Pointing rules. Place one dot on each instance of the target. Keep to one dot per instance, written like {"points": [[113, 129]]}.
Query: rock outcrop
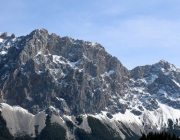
{"points": [[77, 82], [41, 70]]}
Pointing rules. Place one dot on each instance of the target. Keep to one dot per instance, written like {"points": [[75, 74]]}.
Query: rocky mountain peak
{"points": [[159, 68], [162, 64], [13, 36], [41, 70], [4, 35], [40, 31], [46, 73]]}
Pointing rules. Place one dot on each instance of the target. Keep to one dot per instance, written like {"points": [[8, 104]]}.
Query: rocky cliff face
{"points": [[41, 70], [70, 78], [160, 81]]}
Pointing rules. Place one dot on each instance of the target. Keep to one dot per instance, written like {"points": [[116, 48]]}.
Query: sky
{"points": [[137, 32]]}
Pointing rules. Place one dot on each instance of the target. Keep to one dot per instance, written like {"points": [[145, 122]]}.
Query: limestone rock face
{"points": [[13, 36], [161, 81], [4, 35], [73, 80], [41, 70]]}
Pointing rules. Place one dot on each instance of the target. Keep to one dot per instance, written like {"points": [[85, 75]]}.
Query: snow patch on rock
{"points": [[19, 121]]}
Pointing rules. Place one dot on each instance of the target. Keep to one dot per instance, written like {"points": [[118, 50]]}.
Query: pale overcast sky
{"points": [[137, 32]]}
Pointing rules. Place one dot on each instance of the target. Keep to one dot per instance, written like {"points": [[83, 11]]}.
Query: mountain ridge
{"points": [[68, 78], [67, 55]]}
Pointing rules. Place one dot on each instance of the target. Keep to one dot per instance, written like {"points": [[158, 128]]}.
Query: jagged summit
{"points": [[165, 64], [68, 77], [4, 35], [163, 61], [63, 72], [40, 31]]}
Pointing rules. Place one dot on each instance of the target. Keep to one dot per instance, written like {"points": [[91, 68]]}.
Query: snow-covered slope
{"points": [[20, 121]]}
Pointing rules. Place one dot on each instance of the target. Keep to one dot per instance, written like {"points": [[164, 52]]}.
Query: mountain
{"points": [[85, 91]]}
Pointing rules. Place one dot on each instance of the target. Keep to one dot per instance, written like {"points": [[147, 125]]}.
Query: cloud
{"points": [[130, 30], [146, 32]]}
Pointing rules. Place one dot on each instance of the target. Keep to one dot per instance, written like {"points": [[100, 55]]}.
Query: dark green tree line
{"points": [[159, 136]]}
